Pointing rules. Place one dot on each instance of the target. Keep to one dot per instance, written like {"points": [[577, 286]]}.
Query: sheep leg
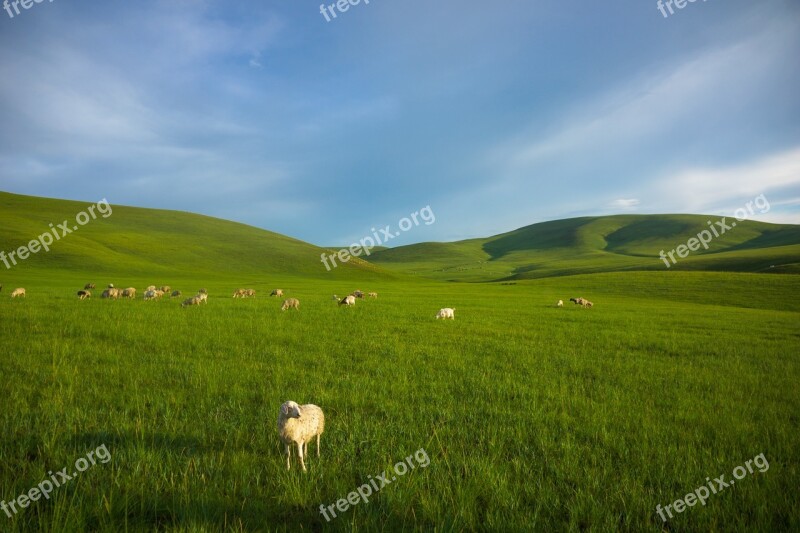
{"points": [[300, 453], [318, 435], [288, 457]]}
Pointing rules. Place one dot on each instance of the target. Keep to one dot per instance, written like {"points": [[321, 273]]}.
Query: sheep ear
{"points": [[285, 409]]}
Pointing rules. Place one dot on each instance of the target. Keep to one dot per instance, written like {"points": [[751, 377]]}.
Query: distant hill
{"points": [[600, 244], [159, 244]]}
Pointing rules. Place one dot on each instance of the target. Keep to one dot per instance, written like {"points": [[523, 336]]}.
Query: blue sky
{"points": [[497, 115]]}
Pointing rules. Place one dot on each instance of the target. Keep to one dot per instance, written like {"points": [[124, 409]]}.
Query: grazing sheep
{"points": [[111, 293], [373, 295], [348, 300], [203, 297], [18, 292], [165, 289], [130, 292], [88, 286], [277, 292], [84, 294], [250, 293], [175, 294], [238, 293], [150, 288], [587, 303], [299, 424], [358, 294], [577, 301], [194, 300], [560, 303], [202, 291], [447, 312], [290, 303], [151, 295]]}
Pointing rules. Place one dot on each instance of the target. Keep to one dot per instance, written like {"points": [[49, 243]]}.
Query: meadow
{"points": [[534, 417]]}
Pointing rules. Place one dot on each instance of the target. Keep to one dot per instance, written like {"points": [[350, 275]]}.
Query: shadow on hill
{"points": [[540, 237]]}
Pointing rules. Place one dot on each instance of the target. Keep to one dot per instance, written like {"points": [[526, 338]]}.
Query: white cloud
{"points": [[625, 203]]}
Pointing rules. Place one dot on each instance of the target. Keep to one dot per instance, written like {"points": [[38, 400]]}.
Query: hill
{"points": [[601, 244], [157, 244]]}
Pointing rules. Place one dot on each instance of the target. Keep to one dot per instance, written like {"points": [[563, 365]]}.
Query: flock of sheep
{"points": [[153, 293]]}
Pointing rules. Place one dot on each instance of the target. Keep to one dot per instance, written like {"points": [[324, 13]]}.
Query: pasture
{"points": [[534, 417]]}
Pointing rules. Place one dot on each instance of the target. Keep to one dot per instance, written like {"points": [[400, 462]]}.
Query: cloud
{"points": [[699, 190], [625, 203]]}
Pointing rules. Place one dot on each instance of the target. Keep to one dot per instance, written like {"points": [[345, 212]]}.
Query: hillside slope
{"points": [[600, 244], [153, 243]]}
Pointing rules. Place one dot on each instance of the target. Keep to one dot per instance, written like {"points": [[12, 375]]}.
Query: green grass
{"points": [[534, 417]]}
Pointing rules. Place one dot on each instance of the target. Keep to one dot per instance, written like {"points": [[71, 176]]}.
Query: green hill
{"points": [[601, 244], [158, 244]]}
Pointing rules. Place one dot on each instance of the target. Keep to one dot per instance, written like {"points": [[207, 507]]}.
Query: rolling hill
{"points": [[600, 244], [157, 244]]}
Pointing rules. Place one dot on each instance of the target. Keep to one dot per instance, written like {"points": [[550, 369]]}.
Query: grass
{"points": [[533, 417]]}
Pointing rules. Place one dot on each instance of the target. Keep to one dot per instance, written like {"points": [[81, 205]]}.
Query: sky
{"points": [[496, 115]]}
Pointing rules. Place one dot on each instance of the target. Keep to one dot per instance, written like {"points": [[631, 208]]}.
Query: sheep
{"points": [[194, 300], [111, 293], [203, 297], [348, 300], [299, 424], [250, 293], [577, 301], [88, 286], [446, 312], [175, 294], [290, 303], [150, 295], [277, 292], [358, 294], [165, 289], [130, 292], [373, 295], [84, 294], [587, 303], [18, 292], [238, 293], [202, 291], [150, 288], [560, 303]]}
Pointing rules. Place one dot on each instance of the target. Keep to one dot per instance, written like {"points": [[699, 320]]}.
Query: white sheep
{"points": [[194, 300], [560, 303], [150, 288], [130, 292], [290, 303], [447, 312], [373, 295], [203, 297], [84, 294], [298, 424], [18, 292], [348, 300], [277, 292]]}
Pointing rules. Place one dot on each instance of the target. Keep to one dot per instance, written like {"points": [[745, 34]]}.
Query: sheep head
{"points": [[290, 410]]}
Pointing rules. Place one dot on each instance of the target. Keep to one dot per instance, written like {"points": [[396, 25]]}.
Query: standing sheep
{"points": [[88, 286], [298, 425], [84, 294], [373, 295], [18, 292], [358, 293], [175, 294], [290, 303], [130, 292], [446, 312], [150, 288], [560, 303], [277, 292], [194, 300]]}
